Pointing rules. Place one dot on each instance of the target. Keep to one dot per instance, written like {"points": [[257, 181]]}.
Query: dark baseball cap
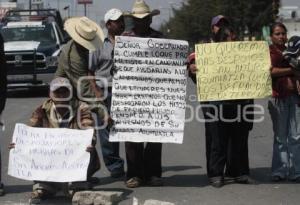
{"points": [[215, 20], [293, 45]]}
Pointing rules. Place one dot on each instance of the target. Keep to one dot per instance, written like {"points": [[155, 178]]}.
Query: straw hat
{"points": [[141, 10], [85, 32]]}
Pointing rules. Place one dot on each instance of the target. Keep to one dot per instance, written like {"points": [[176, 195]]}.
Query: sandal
{"points": [[38, 195], [133, 182]]}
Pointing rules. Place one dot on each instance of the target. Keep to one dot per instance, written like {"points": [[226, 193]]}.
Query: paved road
{"points": [[184, 166]]}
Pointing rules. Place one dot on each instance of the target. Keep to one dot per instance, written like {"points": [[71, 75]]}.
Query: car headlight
{"points": [[51, 61]]}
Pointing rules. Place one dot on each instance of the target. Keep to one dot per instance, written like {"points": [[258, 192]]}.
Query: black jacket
{"points": [[3, 74]]}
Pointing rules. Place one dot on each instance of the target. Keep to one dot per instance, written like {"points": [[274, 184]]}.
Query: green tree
{"points": [[192, 21]]}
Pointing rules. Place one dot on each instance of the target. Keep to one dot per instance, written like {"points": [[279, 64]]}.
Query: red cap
{"points": [[191, 57]]}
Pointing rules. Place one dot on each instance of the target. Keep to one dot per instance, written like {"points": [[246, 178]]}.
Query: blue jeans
{"points": [[285, 114], [110, 150]]}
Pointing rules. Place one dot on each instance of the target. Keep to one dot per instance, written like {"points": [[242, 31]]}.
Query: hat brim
{"points": [[155, 12], [92, 45]]}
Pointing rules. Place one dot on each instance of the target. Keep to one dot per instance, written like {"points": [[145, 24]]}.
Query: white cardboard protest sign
{"points": [[49, 154], [149, 90]]}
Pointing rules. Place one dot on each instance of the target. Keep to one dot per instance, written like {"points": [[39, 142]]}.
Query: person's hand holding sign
{"points": [[11, 145]]}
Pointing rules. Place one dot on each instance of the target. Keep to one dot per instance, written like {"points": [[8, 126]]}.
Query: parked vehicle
{"points": [[32, 45]]}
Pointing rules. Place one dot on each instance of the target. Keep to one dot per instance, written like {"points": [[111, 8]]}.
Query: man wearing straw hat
{"points": [[143, 163], [101, 65], [73, 63], [87, 37]]}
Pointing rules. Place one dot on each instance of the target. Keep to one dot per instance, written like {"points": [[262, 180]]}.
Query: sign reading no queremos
{"points": [[233, 70], [49, 154], [149, 90]]}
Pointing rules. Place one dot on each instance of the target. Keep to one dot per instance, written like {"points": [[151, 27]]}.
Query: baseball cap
{"points": [[215, 20], [112, 14], [59, 82], [293, 45]]}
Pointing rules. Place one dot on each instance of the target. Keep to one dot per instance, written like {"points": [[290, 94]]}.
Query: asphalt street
{"points": [[184, 166]]}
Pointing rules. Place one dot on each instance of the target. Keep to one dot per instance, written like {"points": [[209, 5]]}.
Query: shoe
{"points": [[117, 174], [245, 179], [2, 192], [296, 180], [133, 182], [38, 195], [228, 179], [216, 182], [277, 178], [155, 181]]}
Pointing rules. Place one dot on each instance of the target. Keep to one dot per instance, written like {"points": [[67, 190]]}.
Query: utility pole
{"points": [[275, 9], [58, 5], [85, 2], [68, 10]]}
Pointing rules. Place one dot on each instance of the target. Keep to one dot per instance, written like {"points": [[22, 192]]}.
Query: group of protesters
{"points": [[89, 56], [227, 142]]}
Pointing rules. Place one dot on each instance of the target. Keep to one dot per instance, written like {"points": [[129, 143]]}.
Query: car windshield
{"points": [[44, 34]]}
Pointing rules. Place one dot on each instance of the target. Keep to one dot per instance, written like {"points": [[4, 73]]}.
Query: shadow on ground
{"points": [[184, 180], [15, 189], [258, 175], [28, 93], [179, 168], [263, 176]]}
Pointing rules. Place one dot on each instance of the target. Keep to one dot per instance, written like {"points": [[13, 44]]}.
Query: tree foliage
{"points": [[192, 21]]}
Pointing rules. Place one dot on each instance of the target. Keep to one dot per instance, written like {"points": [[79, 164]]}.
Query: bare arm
{"points": [[98, 92], [279, 72]]}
